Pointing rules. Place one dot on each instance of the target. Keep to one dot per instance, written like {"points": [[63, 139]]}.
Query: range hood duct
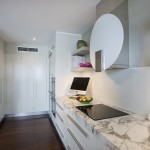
{"points": [[27, 49]]}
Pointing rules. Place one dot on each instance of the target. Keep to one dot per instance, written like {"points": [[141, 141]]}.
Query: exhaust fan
{"points": [[27, 49]]}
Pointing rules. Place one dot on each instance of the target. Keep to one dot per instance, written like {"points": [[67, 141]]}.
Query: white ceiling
{"points": [[21, 20]]}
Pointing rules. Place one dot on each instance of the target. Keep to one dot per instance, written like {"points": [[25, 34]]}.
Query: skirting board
{"points": [[26, 114]]}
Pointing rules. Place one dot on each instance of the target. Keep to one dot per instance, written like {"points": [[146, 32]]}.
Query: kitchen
{"points": [[127, 89]]}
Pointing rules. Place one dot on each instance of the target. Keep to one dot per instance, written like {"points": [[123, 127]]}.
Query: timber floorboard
{"points": [[29, 133]]}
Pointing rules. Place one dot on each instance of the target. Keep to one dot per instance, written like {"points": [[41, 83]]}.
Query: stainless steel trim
{"points": [[59, 130], [59, 117], [26, 114], [76, 124], [76, 141], [99, 61], [59, 106]]}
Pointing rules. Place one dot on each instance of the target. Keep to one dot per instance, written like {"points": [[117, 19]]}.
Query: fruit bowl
{"points": [[85, 102], [84, 99]]}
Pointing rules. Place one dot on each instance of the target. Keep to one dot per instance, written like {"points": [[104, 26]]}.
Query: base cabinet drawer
{"points": [[63, 135], [59, 130], [73, 142], [85, 138], [73, 133]]}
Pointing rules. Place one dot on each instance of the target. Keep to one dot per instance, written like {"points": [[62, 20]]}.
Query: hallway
{"points": [[29, 133]]}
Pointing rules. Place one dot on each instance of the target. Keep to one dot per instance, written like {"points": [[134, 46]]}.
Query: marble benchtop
{"points": [[130, 132]]}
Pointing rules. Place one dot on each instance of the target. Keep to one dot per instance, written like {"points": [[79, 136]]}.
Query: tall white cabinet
{"points": [[61, 46], [26, 82], [40, 83], [13, 83]]}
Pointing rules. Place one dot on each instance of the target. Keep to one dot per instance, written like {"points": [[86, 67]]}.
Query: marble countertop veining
{"points": [[131, 132]]}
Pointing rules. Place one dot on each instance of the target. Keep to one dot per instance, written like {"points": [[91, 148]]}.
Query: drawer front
{"points": [[78, 127], [60, 122], [78, 131], [59, 131], [74, 143], [62, 131], [59, 106], [60, 113]]}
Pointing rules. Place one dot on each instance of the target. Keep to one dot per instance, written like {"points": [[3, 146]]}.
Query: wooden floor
{"points": [[29, 133]]}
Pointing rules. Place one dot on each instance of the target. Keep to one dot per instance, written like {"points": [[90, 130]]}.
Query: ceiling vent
{"points": [[27, 49]]}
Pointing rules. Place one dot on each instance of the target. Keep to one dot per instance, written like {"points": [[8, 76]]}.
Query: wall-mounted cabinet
{"points": [[80, 60]]}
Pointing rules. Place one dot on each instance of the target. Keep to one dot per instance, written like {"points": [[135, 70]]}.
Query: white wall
{"points": [[2, 80], [12, 48], [29, 90], [125, 88], [129, 88]]}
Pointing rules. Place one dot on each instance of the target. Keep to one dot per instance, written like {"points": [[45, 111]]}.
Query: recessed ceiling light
{"points": [[34, 39]]}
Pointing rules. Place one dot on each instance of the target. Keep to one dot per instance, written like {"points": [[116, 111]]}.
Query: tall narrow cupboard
{"points": [[26, 83]]}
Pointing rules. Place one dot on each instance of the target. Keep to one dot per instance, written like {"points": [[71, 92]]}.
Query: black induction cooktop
{"points": [[100, 111]]}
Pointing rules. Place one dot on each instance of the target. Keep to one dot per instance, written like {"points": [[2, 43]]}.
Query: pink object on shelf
{"points": [[87, 64]]}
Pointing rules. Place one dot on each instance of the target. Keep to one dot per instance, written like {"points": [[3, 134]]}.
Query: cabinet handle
{"points": [[59, 106], [76, 124], [36, 87], [18, 88], [59, 117], [27, 87], [59, 130], [76, 141], [68, 148]]}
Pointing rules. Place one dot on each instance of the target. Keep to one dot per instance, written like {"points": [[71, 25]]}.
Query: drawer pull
{"points": [[59, 117], [59, 106], [76, 124], [76, 141], [59, 130]]}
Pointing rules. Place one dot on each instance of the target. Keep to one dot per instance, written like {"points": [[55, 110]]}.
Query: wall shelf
{"points": [[81, 55], [81, 69], [81, 51]]}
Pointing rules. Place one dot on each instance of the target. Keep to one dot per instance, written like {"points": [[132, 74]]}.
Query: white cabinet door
{"points": [[40, 85], [26, 88], [26, 83], [14, 104]]}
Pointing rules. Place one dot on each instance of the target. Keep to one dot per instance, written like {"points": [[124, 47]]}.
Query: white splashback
{"points": [[125, 88]]}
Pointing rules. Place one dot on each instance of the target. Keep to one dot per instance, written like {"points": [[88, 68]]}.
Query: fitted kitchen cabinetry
{"points": [[60, 123], [26, 83], [80, 137], [72, 131], [13, 83], [40, 79]]}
